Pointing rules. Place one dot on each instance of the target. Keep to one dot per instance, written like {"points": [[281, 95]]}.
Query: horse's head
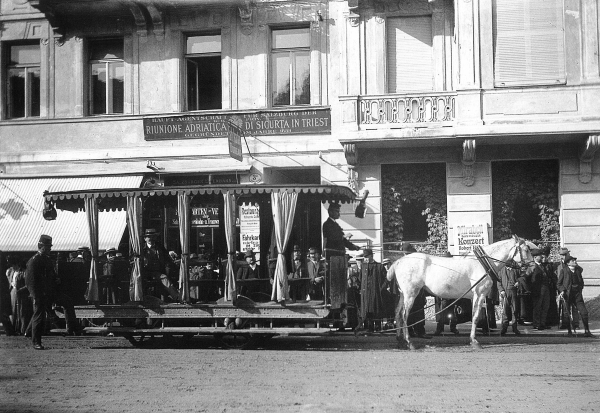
{"points": [[520, 252]]}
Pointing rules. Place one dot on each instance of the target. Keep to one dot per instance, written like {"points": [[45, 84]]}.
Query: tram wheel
{"points": [[235, 341]]}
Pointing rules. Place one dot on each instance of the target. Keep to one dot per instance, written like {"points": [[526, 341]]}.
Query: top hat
{"points": [[386, 261], [45, 240], [367, 252], [536, 252], [297, 248], [333, 205], [563, 251], [570, 258], [249, 253], [110, 251], [313, 250], [150, 232]]}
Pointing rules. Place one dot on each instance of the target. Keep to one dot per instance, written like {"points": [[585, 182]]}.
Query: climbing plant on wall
{"points": [[402, 184], [536, 181]]}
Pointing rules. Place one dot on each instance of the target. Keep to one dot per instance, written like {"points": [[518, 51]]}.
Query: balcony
{"points": [[399, 110]]}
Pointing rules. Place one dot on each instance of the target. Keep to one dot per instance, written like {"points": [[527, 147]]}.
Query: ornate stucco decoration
{"points": [[587, 156], [352, 178], [409, 7], [468, 159], [246, 13], [351, 153]]}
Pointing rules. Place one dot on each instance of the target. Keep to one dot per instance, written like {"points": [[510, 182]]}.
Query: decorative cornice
{"points": [[587, 156], [158, 25], [468, 160]]}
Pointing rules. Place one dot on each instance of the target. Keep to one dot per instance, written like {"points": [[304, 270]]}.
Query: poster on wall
{"points": [[468, 235], [250, 227]]}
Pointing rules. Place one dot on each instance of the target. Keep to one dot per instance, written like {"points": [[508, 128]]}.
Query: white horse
{"points": [[451, 277]]}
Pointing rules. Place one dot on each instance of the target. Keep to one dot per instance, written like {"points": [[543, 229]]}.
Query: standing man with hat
{"points": [[570, 285], [373, 282], [316, 273], [563, 311], [541, 282], [41, 280], [157, 262], [334, 240]]}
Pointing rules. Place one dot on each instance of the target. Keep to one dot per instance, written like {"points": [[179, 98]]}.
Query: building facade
{"points": [[459, 117]]}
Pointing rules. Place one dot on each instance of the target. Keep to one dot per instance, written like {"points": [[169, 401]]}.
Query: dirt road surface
{"points": [[543, 373]]}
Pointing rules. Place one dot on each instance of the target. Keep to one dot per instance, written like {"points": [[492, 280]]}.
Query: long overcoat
{"points": [[373, 282]]}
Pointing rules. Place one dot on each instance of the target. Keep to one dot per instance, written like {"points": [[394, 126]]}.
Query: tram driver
{"points": [[157, 263]]}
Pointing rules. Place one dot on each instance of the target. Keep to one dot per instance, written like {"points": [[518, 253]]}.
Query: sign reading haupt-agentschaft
{"points": [[289, 122]]}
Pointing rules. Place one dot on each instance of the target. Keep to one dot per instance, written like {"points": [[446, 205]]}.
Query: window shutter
{"points": [[410, 54], [528, 42]]}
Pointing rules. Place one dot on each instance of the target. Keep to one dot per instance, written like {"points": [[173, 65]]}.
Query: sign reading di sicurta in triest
{"points": [[253, 124]]}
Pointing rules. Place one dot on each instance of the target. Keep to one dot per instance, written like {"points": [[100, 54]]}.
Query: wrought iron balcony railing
{"points": [[408, 109]]}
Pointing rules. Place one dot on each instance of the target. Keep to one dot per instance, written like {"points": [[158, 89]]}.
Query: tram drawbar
{"points": [[121, 301]]}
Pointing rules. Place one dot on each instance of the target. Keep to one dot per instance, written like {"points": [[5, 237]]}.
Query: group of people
{"points": [[543, 283], [33, 293]]}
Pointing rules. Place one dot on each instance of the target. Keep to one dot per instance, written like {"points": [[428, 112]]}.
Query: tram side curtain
{"points": [[229, 217], [183, 211], [134, 218], [284, 209], [91, 212]]}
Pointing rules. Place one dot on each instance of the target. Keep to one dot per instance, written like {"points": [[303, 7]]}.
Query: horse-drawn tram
{"points": [[193, 280]]}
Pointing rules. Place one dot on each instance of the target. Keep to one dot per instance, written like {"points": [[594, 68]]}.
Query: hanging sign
{"points": [[468, 235], [249, 227], [235, 141], [273, 122]]}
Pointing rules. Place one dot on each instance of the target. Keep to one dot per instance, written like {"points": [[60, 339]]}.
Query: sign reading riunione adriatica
{"points": [[194, 126]]}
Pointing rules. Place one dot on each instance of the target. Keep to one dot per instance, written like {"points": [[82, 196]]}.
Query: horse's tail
{"points": [[391, 272]]}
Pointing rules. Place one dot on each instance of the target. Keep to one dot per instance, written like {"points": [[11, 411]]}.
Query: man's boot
{"points": [[586, 325], [439, 329], [515, 329], [503, 331]]}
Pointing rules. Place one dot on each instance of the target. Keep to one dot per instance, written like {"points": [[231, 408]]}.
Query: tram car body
{"points": [[119, 300]]}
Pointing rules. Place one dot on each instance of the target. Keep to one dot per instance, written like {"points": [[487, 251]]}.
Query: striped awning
{"points": [[116, 198], [22, 223]]}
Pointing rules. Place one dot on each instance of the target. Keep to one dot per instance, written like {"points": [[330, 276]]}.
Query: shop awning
{"points": [[116, 198], [22, 223]]}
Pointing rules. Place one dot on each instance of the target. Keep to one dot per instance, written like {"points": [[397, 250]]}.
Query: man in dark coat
{"points": [[334, 240], [570, 285], [157, 265], [249, 272], [541, 282], [316, 273], [5, 306], [41, 280], [373, 282]]}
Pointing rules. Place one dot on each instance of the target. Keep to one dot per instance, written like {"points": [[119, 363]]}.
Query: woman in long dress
{"points": [[23, 310]]}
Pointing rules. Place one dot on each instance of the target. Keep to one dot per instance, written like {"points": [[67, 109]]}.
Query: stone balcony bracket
{"points": [[586, 157], [468, 160]]}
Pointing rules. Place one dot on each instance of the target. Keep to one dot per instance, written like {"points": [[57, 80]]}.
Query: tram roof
{"points": [[116, 198]]}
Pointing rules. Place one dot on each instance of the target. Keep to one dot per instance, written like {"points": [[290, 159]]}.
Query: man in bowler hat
{"points": [[158, 264], [41, 280]]}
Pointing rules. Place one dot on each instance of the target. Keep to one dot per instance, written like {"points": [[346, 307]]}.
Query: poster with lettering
{"points": [[468, 235], [249, 227], [205, 216]]}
